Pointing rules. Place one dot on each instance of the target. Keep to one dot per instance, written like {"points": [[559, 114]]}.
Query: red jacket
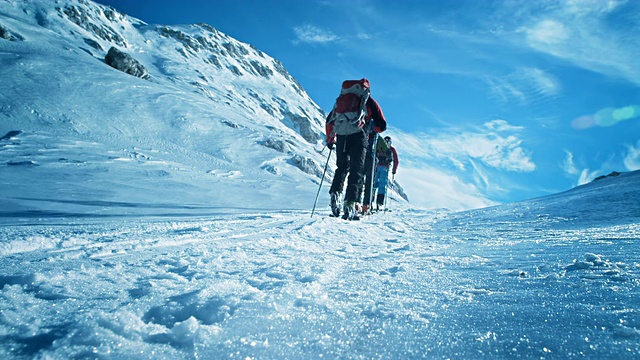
{"points": [[374, 111], [384, 160]]}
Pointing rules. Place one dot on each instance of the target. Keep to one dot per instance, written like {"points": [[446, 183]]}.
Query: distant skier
{"points": [[386, 154], [349, 126]]}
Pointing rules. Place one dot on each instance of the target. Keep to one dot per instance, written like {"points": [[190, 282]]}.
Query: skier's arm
{"points": [[331, 135], [396, 161], [379, 121]]}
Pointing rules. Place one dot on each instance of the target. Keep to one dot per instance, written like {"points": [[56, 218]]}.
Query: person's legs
{"points": [[342, 163], [357, 149], [368, 170], [376, 179], [383, 180]]}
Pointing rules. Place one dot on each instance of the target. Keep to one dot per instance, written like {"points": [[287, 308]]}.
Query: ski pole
{"points": [[393, 182], [321, 181]]}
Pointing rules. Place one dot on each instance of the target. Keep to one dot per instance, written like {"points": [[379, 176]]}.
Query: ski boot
{"points": [[336, 198], [350, 211], [380, 202]]}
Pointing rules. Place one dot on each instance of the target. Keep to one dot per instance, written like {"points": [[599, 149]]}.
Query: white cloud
{"points": [[312, 34], [526, 85], [580, 31], [613, 162], [542, 81], [502, 125], [504, 90], [491, 146], [632, 157], [569, 165], [480, 176], [547, 32], [585, 177], [433, 188], [592, 7], [457, 169]]}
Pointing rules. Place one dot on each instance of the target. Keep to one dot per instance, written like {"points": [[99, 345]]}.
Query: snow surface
{"points": [[151, 219], [525, 280]]}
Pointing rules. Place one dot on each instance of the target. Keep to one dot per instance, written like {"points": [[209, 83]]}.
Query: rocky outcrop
{"points": [[125, 63], [11, 134], [302, 124], [85, 17], [277, 145], [398, 189], [307, 165], [612, 174], [8, 35]]}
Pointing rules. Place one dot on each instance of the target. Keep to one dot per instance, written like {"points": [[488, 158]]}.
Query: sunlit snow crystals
{"points": [[490, 335]]}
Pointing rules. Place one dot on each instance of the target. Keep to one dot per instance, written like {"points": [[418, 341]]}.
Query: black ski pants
{"points": [[351, 151]]}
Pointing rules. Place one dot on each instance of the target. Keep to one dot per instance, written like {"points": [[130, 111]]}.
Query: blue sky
{"points": [[492, 101]]}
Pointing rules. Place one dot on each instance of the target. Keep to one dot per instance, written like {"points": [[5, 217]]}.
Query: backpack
{"points": [[350, 110], [383, 152]]}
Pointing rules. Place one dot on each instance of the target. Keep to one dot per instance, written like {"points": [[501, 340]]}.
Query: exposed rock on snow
{"points": [[278, 145], [85, 17], [125, 63], [612, 174], [11, 134], [307, 165], [8, 35]]}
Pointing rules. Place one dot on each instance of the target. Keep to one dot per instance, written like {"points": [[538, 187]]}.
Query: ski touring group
{"points": [[363, 157]]}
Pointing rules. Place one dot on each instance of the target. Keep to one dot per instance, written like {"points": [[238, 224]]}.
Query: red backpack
{"points": [[350, 110]]}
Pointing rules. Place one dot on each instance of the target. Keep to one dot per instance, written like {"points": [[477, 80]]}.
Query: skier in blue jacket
{"points": [[386, 155]]}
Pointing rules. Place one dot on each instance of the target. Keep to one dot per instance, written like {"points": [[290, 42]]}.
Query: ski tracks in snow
{"points": [[186, 282], [262, 284]]}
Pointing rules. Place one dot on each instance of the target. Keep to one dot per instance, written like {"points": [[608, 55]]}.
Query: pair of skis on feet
{"points": [[359, 215], [346, 216]]}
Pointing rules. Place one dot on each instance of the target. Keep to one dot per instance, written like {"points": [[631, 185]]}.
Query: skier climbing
{"points": [[349, 126], [385, 155]]}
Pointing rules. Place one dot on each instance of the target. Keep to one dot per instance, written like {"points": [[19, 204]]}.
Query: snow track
{"points": [[420, 283]]}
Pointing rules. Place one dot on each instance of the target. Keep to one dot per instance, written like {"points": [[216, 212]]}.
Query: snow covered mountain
{"points": [[159, 217], [209, 123]]}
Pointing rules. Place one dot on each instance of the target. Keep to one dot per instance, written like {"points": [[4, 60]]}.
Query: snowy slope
{"points": [[613, 200], [525, 280], [215, 118]]}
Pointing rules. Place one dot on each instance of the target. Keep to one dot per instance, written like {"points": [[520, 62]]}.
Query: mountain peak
{"points": [[209, 113]]}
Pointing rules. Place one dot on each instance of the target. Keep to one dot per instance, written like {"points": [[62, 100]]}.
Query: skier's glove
{"points": [[330, 146]]}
